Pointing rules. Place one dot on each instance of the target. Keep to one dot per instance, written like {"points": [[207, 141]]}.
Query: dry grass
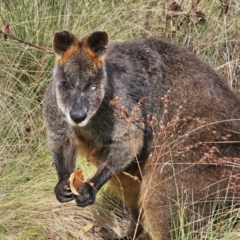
{"points": [[28, 208]]}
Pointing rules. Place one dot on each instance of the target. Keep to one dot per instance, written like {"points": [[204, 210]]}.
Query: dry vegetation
{"points": [[28, 207]]}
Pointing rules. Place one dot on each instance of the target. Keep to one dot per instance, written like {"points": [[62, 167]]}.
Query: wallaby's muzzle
{"points": [[78, 115]]}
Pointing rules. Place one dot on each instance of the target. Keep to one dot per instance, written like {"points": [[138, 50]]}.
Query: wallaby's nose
{"points": [[78, 115]]}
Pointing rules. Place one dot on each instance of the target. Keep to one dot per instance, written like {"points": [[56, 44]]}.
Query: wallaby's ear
{"points": [[95, 44], [63, 40]]}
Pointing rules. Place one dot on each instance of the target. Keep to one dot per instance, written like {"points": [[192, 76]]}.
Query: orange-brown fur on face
{"points": [[95, 46], [98, 61], [67, 54], [96, 54]]}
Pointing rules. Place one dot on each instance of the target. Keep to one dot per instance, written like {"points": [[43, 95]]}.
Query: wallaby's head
{"points": [[79, 75]]}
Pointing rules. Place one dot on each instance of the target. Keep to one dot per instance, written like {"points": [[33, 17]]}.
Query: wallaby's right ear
{"points": [[95, 44], [63, 40]]}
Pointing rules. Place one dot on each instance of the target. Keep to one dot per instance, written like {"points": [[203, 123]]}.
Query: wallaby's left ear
{"points": [[63, 40], [95, 44]]}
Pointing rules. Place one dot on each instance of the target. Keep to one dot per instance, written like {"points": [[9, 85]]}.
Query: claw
{"points": [[68, 194], [67, 188]]}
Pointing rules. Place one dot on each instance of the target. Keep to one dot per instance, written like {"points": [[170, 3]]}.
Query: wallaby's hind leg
{"points": [[156, 216], [135, 228], [183, 198]]}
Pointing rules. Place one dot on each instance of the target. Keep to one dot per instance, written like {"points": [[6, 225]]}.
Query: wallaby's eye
{"points": [[65, 84], [93, 87]]}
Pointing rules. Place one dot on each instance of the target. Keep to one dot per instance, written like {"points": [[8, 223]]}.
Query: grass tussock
{"points": [[28, 208]]}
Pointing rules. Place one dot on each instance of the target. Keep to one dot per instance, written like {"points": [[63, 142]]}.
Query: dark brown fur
{"points": [[168, 104]]}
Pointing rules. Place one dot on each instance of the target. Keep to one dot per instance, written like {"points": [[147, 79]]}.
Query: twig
{"points": [[27, 43]]}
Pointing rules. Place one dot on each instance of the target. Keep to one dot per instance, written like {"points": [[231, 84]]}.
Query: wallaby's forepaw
{"points": [[86, 195], [63, 192]]}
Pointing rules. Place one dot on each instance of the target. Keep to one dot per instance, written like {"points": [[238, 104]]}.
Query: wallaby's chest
{"points": [[89, 147]]}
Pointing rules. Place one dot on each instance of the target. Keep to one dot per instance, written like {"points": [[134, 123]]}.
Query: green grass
{"points": [[28, 207]]}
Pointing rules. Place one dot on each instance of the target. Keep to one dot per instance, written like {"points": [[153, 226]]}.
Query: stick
{"points": [[27, 43]]}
